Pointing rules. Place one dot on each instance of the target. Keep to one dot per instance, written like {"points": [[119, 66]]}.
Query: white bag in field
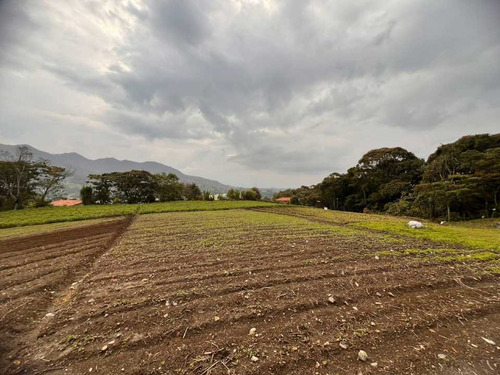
{"points": [[415, 224]]}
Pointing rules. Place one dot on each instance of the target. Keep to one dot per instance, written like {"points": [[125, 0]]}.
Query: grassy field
{"points": [[477, 234], [266, 290], [199, 206], [45, 228], [46, 215]]}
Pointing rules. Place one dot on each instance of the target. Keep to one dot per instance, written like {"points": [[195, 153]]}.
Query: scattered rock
{"points": [[362, 356], [254, 358], [441, 356], [216, 318], [331, 300], [104, 348], [92, 300], [252, 331], [491, 342], [377, 257], [343, 345], [136, 337], [374, 364], [49, 315]]}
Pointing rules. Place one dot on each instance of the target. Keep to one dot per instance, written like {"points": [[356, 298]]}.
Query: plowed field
{"points": [[274, 291], [36, 270]]}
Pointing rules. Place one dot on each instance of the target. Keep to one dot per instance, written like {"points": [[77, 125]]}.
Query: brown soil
{"points": [[35, 270], [163, 300]]}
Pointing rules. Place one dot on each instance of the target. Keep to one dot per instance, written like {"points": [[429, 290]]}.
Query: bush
{"points": [[250, 195], [86, 194], [399, 208]]}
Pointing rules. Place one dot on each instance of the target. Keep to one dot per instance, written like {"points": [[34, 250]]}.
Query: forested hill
{"points": [[83, 167]]}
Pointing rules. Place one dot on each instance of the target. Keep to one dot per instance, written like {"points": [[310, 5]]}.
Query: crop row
{"points": [[46, 215]]}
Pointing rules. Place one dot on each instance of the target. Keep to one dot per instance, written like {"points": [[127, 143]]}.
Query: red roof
{"points": [[66, 202], [284, 199]]}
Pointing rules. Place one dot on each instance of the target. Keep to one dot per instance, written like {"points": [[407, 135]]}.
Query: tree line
{"points": [[25, 181], [459, 181], [252, 194], [145, 187], [138, 187]]}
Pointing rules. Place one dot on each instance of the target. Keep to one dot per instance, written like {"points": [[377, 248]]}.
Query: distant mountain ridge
{"points": [[83, 167]]}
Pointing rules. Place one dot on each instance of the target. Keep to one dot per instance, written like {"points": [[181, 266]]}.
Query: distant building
{"points": [[285, 200], [66, 202]]}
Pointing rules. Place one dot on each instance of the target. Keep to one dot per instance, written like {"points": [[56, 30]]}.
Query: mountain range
{"points": [[82, 167]]}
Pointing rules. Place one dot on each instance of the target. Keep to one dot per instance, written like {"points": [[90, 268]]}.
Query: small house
{"points": [[66, 202], [285, 200]]}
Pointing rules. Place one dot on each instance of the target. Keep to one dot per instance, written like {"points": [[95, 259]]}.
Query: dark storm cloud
{"points": [[15, 26], [180, 21], [285, 85]]}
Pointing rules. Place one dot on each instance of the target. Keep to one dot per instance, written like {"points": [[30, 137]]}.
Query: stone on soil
{"points": [[362, 356]]}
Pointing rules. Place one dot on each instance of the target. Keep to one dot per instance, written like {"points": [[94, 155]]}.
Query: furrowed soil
{"points": [[268, 291], [35, 270]]}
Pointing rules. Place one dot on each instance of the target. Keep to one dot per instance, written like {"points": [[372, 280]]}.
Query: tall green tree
{"points": [[384, 175], [18, 177], [102, 186], [50, 180], [169, 187], [233, 194], [135, 186], [86, 195], [192, 192], [258, 195]]}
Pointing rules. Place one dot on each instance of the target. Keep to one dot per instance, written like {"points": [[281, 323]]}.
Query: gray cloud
{"points": [[270, 88]]}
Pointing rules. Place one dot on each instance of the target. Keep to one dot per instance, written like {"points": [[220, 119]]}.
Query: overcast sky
{"points": [[248, 92]]}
